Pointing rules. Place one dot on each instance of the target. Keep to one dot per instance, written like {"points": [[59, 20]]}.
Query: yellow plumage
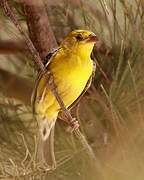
{"points": [[71, 68]]}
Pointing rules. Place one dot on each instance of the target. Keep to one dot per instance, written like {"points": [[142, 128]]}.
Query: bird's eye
{"points": [[79, 37]]}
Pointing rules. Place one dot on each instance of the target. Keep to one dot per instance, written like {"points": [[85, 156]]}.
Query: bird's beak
{"points": [[92, 38]]}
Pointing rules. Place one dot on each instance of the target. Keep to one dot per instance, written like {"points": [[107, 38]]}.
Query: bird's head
{"points": [[80, 40]]}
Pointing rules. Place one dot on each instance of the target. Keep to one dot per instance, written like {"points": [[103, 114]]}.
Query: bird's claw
{"points": [[74, 125]]}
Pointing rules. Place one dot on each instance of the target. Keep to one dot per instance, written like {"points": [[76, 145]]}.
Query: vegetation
{"points": [[110, 114]]}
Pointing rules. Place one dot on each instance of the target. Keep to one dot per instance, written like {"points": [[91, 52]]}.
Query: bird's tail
{"points": [[45, 148]]}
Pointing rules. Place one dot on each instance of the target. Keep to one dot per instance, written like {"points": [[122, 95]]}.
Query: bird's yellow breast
{"points": [[71, 73]]}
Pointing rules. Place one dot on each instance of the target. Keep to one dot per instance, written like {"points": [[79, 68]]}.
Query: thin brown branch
{"points": [[12, 47], [15, 87], [9, 12]]}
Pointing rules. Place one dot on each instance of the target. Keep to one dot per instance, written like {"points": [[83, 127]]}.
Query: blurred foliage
{"points": [[111, 113]]}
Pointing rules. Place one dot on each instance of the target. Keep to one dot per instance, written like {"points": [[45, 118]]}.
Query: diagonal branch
{"points": [[8, 11]]}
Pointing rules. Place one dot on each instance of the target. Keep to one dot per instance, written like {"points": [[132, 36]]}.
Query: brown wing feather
{"points": [[49, 58], [34, 93], [82, 94], [47, 61]]}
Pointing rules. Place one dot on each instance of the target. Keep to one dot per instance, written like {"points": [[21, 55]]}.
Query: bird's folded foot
{"points": [[45, 167], [74, 125]]}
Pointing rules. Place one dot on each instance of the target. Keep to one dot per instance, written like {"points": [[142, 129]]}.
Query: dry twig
{"points": [[12, 47]]}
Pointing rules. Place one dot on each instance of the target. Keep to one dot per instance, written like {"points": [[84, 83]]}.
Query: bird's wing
{"points": [[46, 62], [50, 56], [86, 87]]}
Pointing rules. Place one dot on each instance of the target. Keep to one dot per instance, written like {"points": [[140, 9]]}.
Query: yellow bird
{"points": [[71, 67]]}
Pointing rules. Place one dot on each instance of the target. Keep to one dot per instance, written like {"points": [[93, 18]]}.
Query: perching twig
{"points": [[9, 12]]}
